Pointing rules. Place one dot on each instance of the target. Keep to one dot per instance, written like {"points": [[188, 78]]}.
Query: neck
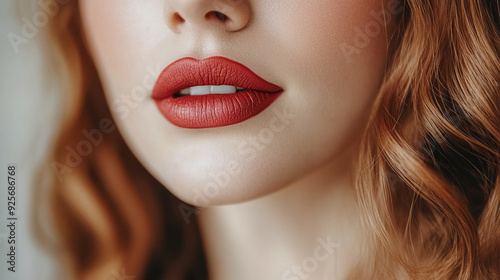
{"points": [[308, 230]]}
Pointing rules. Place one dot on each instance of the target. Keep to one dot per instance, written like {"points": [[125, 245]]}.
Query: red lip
{"points": [[211, 110]]}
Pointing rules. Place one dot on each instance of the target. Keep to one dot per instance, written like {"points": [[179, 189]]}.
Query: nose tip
{"points": [[231, 15]]}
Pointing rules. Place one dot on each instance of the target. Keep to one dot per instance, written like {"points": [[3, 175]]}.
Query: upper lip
{"points": [[189, 72]]}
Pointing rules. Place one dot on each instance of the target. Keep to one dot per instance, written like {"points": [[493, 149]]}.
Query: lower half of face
{"points": [[328, 56]]}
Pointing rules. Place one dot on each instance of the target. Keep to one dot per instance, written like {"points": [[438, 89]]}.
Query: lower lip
{"points": [[215, 110]]}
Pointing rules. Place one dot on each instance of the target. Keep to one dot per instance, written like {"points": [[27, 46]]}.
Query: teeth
{"points": [[185, 91], [203, 90]]}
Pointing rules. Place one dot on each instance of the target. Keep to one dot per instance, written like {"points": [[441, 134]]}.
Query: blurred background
{"points": [[28, 108]]}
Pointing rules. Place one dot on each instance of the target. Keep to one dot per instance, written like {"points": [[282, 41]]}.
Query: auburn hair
{"points": [[427, 177]]}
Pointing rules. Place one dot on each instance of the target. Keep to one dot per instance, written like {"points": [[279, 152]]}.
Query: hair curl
{"points": [[428, 172]]}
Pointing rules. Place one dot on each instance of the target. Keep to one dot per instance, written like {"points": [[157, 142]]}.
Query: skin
{"points": [[287, 189]]}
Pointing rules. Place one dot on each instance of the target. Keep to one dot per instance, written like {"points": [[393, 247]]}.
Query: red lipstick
{"points": [[251, 93]]}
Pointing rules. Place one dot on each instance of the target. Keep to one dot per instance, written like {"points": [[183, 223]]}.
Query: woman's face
{"points": [[327, 56]]}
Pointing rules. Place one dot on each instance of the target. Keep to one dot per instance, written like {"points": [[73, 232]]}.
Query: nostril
{"points": [[176, 18], [218, 15]]}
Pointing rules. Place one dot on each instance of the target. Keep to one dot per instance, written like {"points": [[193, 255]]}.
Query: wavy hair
{"points": [[427, 177], [428, 180]]}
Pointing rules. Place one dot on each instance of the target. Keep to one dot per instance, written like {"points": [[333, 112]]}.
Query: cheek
{"points": [[335, 53], [336, 43], [326, 26], [120, 33]]}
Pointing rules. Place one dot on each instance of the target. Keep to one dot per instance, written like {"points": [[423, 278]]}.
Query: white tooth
{"points": [[200, 90], [223, 89], [203, 90], [186, 91]]}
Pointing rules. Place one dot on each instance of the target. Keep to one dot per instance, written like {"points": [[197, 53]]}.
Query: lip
{"points": [[211, 110]]}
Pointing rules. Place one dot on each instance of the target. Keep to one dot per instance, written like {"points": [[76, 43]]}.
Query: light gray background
{"points": [[26, 115]]}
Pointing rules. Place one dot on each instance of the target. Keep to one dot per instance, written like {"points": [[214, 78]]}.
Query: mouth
{"points": [[213, 92]]}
